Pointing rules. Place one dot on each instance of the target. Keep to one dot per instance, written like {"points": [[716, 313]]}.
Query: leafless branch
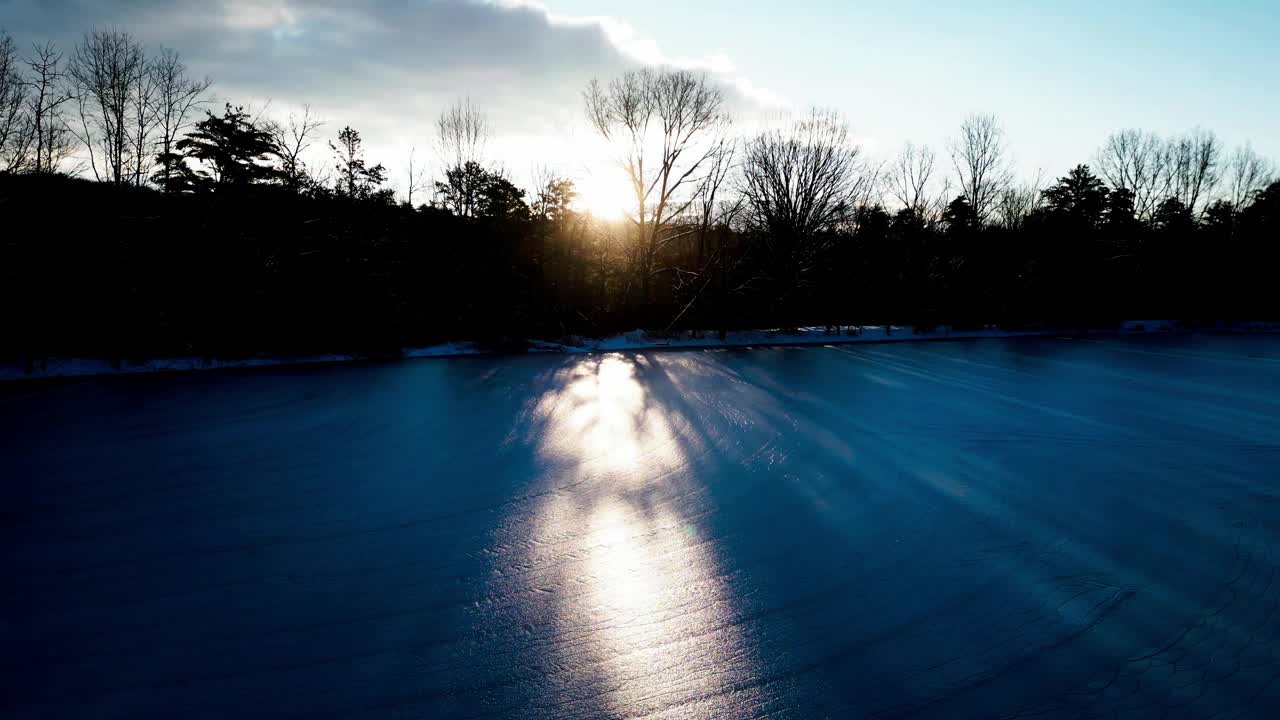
{"points": [[909, 174], [980, 158], [667, 125]]}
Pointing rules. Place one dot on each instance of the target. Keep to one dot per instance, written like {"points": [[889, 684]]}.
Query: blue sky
{"points": [[1061, 76]]}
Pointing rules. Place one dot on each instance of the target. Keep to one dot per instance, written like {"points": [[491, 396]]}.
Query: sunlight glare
{"points": [[605, 198], [639, 586], [607, 427]]}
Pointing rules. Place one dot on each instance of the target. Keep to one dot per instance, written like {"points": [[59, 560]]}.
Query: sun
{"points": [[605, 195]]}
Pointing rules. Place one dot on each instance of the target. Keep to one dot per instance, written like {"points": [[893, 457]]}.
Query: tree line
{"points": [[144, 220]]}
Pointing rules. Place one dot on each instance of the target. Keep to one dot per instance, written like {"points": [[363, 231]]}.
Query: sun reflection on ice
{"points": [[601, 423], [645, 612]]}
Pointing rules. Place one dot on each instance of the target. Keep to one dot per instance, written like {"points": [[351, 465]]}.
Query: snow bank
{"points": [[1244, 327], [1146, 326], [633, 340], [845, 334], [80, 367]]}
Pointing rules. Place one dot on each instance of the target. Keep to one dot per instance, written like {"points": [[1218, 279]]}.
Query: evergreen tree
{"points": [[1172, 216], [501, 199], [553, 201], [356, 179], [462, 187], [960, 216], [232, 148], [1120, 214], [1079, 198]]}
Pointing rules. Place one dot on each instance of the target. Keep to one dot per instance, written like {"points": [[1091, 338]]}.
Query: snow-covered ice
{"points": [[1033, 527]]}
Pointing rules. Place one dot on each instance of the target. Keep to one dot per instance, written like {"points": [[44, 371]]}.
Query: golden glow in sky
{"points": [[605, 198]]}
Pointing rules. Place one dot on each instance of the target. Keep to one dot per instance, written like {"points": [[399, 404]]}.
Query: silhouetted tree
{"points": [[176, 96], [1016, 204], [416, 177], [108, 71], [47, 93], [713, 213], [15, 125], [1119, 218], [1079, 198], [293, 138], [356, 179], [1219, 220], [961, 216], [909, 176], [778, 229], [800, 185], [233, 149], [462, 131], [980, 157], [495, 195], [554, 199], [1248, 173], [1173, 216], [667, 125], [1194, 168], [501, 200], [1265, 207], [462, 189], [1136, 161]]}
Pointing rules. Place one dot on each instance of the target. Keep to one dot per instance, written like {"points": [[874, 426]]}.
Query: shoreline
{"points": [[55, 368]]}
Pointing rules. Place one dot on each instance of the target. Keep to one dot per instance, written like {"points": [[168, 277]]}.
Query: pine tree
{"points": [[356, 179], [1080, 197], [233, 149]]}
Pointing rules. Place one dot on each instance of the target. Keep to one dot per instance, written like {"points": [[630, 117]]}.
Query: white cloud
{"points": [[387, 67]]}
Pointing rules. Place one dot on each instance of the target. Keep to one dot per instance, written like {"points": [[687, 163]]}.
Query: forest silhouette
{"points": [[140, 219]]}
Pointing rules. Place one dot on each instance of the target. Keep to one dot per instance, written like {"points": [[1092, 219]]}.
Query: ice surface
{"points": [[1014, 528]]}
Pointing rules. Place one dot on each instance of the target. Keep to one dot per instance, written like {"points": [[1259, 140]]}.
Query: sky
{"points": [[1060, 76]]}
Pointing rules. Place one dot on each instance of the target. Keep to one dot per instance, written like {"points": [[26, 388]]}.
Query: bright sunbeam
{"points": [[637, 584], [625, 585], [603, 425], [607, 198]]}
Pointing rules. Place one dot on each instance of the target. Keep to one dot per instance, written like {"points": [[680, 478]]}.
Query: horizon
{"points": [[418, 59]]}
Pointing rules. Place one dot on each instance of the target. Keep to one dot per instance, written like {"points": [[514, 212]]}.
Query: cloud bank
{"points": [[387, 67]]}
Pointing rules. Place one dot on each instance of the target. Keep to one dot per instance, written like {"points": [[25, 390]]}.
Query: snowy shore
{"points": [[634, 340]]}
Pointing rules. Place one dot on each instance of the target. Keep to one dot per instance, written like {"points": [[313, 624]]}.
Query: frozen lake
{"points": [[996, 529]]}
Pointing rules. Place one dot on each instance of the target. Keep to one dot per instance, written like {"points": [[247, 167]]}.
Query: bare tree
{"points": [[46, 97], [909, 174], [1136, 161], [667, 125], [713, 209], [15, 125], [176, 95], [543, 198], [143, 120], [713, 214], [1248, 174], [872, 189], [292, 138], [937, 206], [462, 131], [798, 185], [1194, 168], [980, 157], [106, 70], [417, 176], [1018, 202]]}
